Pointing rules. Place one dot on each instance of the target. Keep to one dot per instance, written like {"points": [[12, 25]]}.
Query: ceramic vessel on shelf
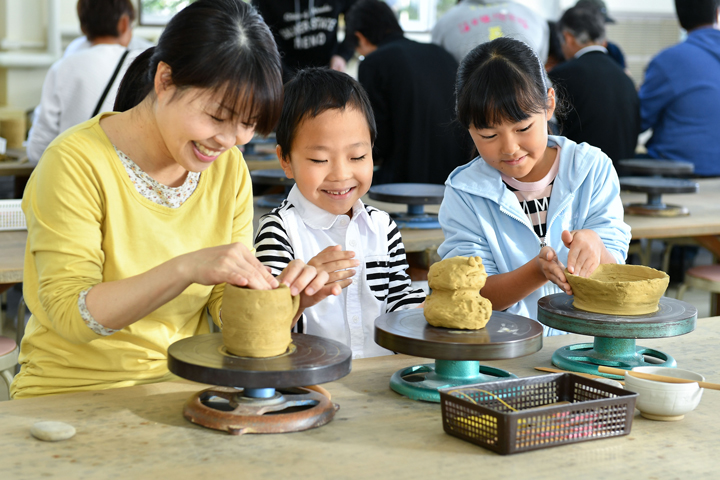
{"points": [[615, 289], [665, 401]]}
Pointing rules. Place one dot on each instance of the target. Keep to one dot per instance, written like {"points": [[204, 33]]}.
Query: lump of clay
{"points": [[455, 301], [619, 289], [52, 431]]}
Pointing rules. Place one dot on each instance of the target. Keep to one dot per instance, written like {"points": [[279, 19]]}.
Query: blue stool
{"points": [[415, 196]]}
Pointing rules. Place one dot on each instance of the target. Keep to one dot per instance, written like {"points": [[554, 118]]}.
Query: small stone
{"points": [[52, 431]]}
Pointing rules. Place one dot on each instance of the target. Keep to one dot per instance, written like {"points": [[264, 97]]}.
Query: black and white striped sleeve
{"points": [[401, 295], [272, 245]]}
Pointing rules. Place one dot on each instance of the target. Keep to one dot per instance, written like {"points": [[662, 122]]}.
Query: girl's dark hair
{"points": [[374, 19], [696, 13], [221, 45], [99, 18], [311, 92], [498, 81]]}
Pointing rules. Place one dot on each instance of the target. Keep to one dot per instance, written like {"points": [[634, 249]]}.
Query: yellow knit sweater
{"points": [[88, 224]]}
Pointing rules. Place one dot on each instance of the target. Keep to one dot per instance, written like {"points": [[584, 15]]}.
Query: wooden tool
{"points": [[586, 375], [658, 378]]}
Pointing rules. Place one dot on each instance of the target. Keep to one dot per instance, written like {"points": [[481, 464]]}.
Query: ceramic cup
{"points": [[257, 323]]}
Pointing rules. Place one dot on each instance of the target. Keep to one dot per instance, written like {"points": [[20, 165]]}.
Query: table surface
{"points": [[139, 432]]}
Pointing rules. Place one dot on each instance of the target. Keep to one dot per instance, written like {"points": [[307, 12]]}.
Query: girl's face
{"points": [[196, 128], [518, 150], [331, 159]]}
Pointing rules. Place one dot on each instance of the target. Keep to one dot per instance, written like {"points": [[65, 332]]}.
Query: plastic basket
{"points": [[551, 409], [11, 215]]}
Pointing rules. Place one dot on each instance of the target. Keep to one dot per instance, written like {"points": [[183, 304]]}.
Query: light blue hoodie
{"points": [[481, 217]]}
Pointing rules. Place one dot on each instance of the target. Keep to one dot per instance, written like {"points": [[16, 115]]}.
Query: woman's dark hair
{"points": [[374, 19], [221, 45], [311, 92], [498, 81], [696, 13], [99, 18]]}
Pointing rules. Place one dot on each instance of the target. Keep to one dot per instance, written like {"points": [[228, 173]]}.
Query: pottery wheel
{"points": [[310, 360], [415, 196], [456, 352], [614, 344], [648, 166], [655, 187], [674, 317], [505, 336], [269, 401]]}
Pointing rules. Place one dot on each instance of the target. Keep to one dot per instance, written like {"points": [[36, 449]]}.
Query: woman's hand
{"points": [[586, 251], [337, 263], [234, 264], [553, 269]]}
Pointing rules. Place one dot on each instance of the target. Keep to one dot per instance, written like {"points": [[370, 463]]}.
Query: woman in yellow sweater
{"points": [[136, 220]]}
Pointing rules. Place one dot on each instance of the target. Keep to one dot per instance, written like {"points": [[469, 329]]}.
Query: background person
{"points": [[472, 22], [680, 97], [74, 85], [410, 86], [605, 110], [306, 32]]}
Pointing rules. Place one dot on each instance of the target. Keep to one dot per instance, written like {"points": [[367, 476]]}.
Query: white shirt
{"points": [[82, 43], [591, 48], [300, 229], [72, 89]]}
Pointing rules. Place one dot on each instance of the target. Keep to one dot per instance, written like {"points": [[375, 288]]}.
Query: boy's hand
{"points": [[586, 249], [553, 269], [337, 263]]}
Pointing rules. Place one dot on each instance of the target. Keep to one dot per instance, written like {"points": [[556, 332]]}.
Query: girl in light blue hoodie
{"points": [[530, 203]]}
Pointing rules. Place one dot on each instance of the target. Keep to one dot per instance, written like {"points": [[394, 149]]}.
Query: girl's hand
{"points": [[337, 263], [233, 263], [553, 269], [586, 250]]}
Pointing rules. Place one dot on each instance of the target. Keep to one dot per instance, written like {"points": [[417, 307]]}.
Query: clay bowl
{"points": [[665, 401], [619, 289]]}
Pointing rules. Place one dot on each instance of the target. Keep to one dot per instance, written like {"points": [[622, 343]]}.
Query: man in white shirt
{"points": [[75, 84]]}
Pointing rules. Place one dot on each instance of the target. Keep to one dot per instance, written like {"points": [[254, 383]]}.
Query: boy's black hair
{"points": [[220, 45], [311, 92], [99, 18], [498, 81], [374, 19], [696, 13]]}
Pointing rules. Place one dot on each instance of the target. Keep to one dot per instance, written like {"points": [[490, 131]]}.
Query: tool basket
{"points": [[11, 216], [518, 415]]}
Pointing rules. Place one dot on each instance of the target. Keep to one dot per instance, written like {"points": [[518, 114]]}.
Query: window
{"points": [[419, 15], [159, 12]]}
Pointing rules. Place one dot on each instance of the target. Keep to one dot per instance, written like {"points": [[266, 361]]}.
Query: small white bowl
{"points": [[665, 401]]}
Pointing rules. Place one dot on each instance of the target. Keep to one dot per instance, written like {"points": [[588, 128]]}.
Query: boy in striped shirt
{"points": [[325, 139]]}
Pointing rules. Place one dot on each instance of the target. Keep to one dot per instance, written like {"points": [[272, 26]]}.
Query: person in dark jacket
{"points": [[411, 88], [306, 33], [605, 110]]}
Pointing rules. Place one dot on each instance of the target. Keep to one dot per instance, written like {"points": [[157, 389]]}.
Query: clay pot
{"points": [[619, 289], [257, 323]]}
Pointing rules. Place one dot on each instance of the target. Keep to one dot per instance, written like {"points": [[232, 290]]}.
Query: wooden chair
{"points": [[8, 360], [705, 277]]}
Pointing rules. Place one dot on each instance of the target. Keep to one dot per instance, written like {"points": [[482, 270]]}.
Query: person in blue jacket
{"points": [[680, 97], [530, 203]]}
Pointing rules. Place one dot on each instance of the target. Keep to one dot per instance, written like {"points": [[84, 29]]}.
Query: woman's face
{"points": [[196, 127]]}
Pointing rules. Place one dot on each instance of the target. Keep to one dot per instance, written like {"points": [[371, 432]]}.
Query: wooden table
{"points": [[139, 432]]}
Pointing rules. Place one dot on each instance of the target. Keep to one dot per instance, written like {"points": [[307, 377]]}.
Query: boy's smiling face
{"points": [[331, 159]]}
